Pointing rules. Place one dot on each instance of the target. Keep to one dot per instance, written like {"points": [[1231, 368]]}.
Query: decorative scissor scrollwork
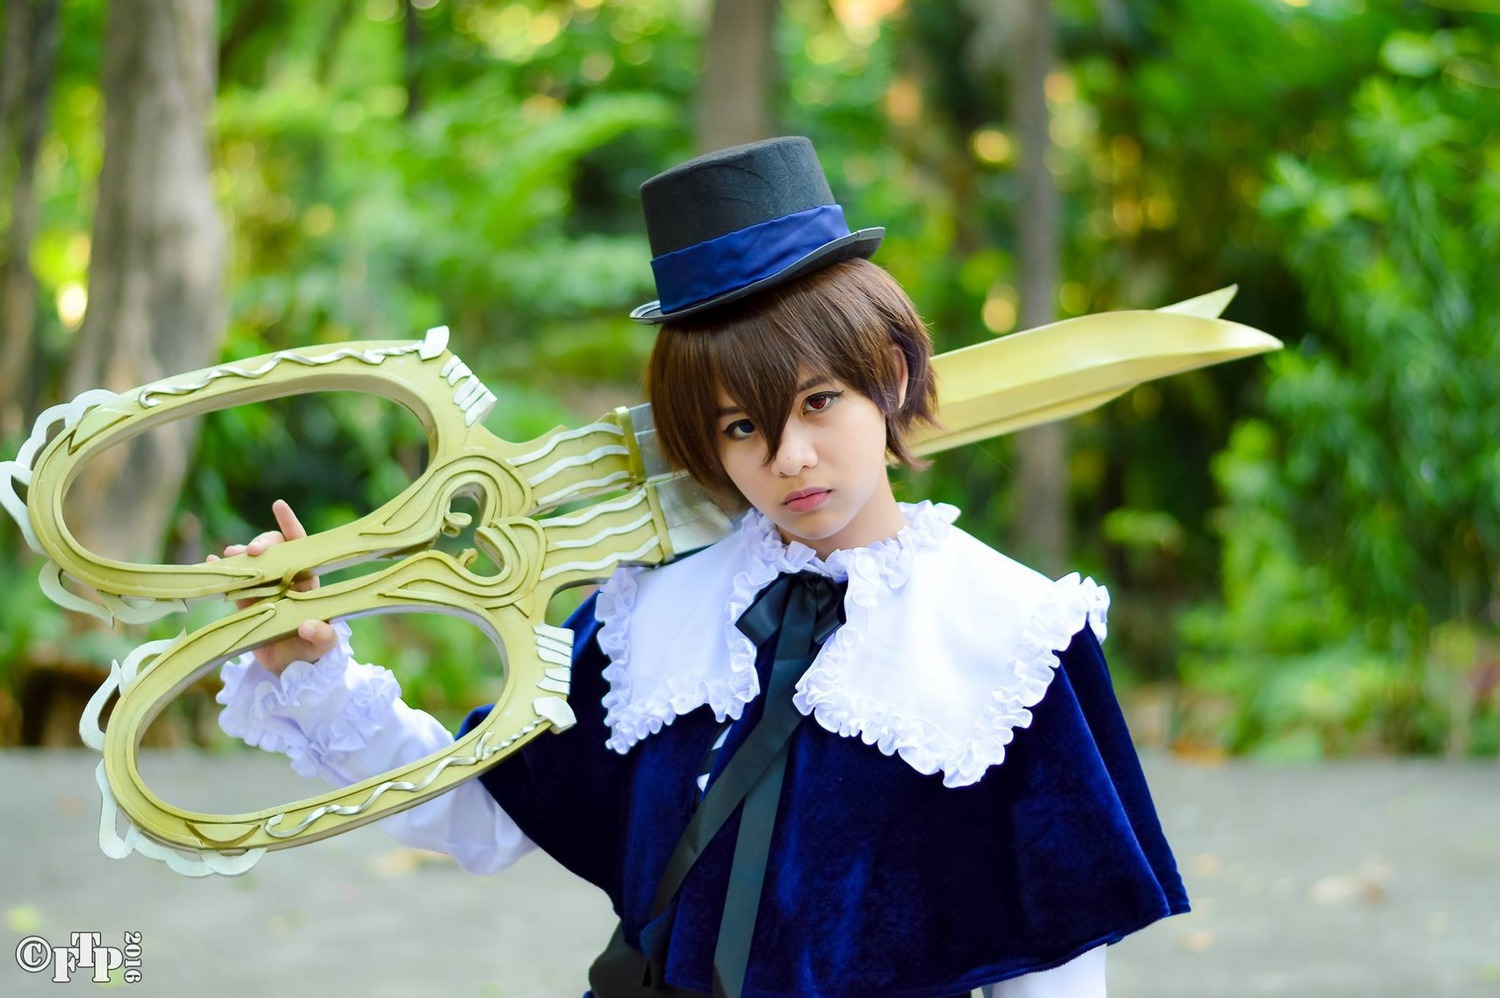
{"points": [[512, 484], [632, 511]]}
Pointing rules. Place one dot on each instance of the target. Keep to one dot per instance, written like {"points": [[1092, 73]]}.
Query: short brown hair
{"points": [[838, 322]]}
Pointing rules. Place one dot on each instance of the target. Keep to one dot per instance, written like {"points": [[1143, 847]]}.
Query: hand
{"points": [[314, 638]]}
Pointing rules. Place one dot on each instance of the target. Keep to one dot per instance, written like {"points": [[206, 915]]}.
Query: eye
{"points": [[740, 429], [821, 401]]}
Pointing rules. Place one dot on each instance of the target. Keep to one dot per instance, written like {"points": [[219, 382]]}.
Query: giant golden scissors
{"points": [[625, 507]]}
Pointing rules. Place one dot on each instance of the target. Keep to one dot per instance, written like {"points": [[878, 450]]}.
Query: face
{"points": [[826, 486]]}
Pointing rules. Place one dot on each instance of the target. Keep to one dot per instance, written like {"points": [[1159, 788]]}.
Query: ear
{"points": [[903, 376]]}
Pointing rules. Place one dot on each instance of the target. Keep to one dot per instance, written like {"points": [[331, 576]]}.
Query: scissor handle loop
{"points": [[992, 388], [536, 660], [534, 559], [513, 485], [419, 375]]}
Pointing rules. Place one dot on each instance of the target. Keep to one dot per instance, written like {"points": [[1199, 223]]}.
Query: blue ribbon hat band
{"points": [[737, 259]]}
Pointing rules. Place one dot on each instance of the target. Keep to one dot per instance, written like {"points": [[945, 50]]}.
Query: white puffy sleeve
{"points": [[344, 721]]}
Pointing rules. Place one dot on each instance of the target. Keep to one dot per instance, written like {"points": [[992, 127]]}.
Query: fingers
{"points": [[319, 635], [259, 545], [263, 542], [291, 527], [313, 640], [292, 530]]}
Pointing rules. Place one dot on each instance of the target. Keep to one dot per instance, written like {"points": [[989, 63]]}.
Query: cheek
{"points": [[868, 432], [733, 462], [726, 459]]}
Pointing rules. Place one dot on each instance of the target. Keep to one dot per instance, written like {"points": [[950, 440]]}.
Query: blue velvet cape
{"points": [[881, 880]]}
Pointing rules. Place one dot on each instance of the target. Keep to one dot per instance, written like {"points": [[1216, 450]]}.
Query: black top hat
{"points": [[741, 220]]}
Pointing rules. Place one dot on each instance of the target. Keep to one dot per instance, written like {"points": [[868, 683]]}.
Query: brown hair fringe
{"points": [[838, 322]]}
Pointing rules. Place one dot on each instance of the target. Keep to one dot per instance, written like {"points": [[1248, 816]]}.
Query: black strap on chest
{"points": [[807, 608]]}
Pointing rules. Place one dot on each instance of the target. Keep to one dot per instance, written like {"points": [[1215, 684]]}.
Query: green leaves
{"points": [[1414, 53], [477, 167], [1371, 487]]}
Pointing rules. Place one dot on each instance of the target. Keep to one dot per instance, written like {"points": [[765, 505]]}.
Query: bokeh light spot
{"points": [[999, 311], [72, 303], [992, 146]]}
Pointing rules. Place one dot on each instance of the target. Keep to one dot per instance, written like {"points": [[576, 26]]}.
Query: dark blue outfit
{"points": [[881, 881]]}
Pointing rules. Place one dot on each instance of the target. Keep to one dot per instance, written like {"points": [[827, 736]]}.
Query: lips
{"points": [[806, 500]]}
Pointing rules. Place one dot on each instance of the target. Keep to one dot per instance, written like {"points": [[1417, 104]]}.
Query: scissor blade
{"points": [[1026, 379], [643, 425], [1069, 367], [693, 519], [1209, 306]]}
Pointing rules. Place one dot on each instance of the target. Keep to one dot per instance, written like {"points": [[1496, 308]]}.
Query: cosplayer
{"points": [[847, 751]]}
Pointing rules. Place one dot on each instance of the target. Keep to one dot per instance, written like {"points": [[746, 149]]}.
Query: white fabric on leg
{"points": [[1080, 977]]}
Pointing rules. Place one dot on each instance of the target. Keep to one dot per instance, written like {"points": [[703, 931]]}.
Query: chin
{"points": [[810, 533]]}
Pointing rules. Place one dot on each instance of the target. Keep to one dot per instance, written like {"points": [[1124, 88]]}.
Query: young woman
{"points": [[846, 751]]}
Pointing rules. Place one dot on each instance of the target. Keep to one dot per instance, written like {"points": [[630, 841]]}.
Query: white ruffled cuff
{"points": [[318, 714], [345, 721]]}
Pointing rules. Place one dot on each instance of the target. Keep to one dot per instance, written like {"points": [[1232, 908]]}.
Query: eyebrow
{"points": [[813, 382]]}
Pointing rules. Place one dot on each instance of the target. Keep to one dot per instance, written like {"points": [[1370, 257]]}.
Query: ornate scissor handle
{"points": [[985, 390], [652, 517]]}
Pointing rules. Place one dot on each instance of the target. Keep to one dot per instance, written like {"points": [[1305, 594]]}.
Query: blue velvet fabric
{"points": [[881, 880], [697, 273]]}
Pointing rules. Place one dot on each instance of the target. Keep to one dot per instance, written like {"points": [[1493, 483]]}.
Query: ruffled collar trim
{"points": [[673, 645], [926, 526]]}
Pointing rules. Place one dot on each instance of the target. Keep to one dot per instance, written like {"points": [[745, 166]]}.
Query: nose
{"points": [[796, 453]]}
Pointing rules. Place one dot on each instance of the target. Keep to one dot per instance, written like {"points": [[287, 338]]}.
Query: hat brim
{"points": [[861, 243]]}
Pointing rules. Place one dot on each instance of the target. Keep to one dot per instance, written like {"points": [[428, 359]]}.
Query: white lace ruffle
{"points": [[962, 756], [305, 715], [625, 718], [947, 644], [631, 713], [631, 716]]}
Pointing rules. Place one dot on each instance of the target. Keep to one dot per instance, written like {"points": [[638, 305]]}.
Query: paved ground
{"points": [[1370, 879]]}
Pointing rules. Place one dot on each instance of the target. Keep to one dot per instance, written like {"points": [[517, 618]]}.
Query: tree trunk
{"points": [[739, 63], [413, 57], [25, 88], [1042, 452], [156, 265]]}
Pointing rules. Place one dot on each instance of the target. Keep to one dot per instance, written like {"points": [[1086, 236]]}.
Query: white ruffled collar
{"points": [[926, 525], [673, 645]]}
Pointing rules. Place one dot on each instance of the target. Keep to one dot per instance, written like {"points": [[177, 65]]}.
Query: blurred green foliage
{"points": [[1362, 523], [1324, 526]]}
